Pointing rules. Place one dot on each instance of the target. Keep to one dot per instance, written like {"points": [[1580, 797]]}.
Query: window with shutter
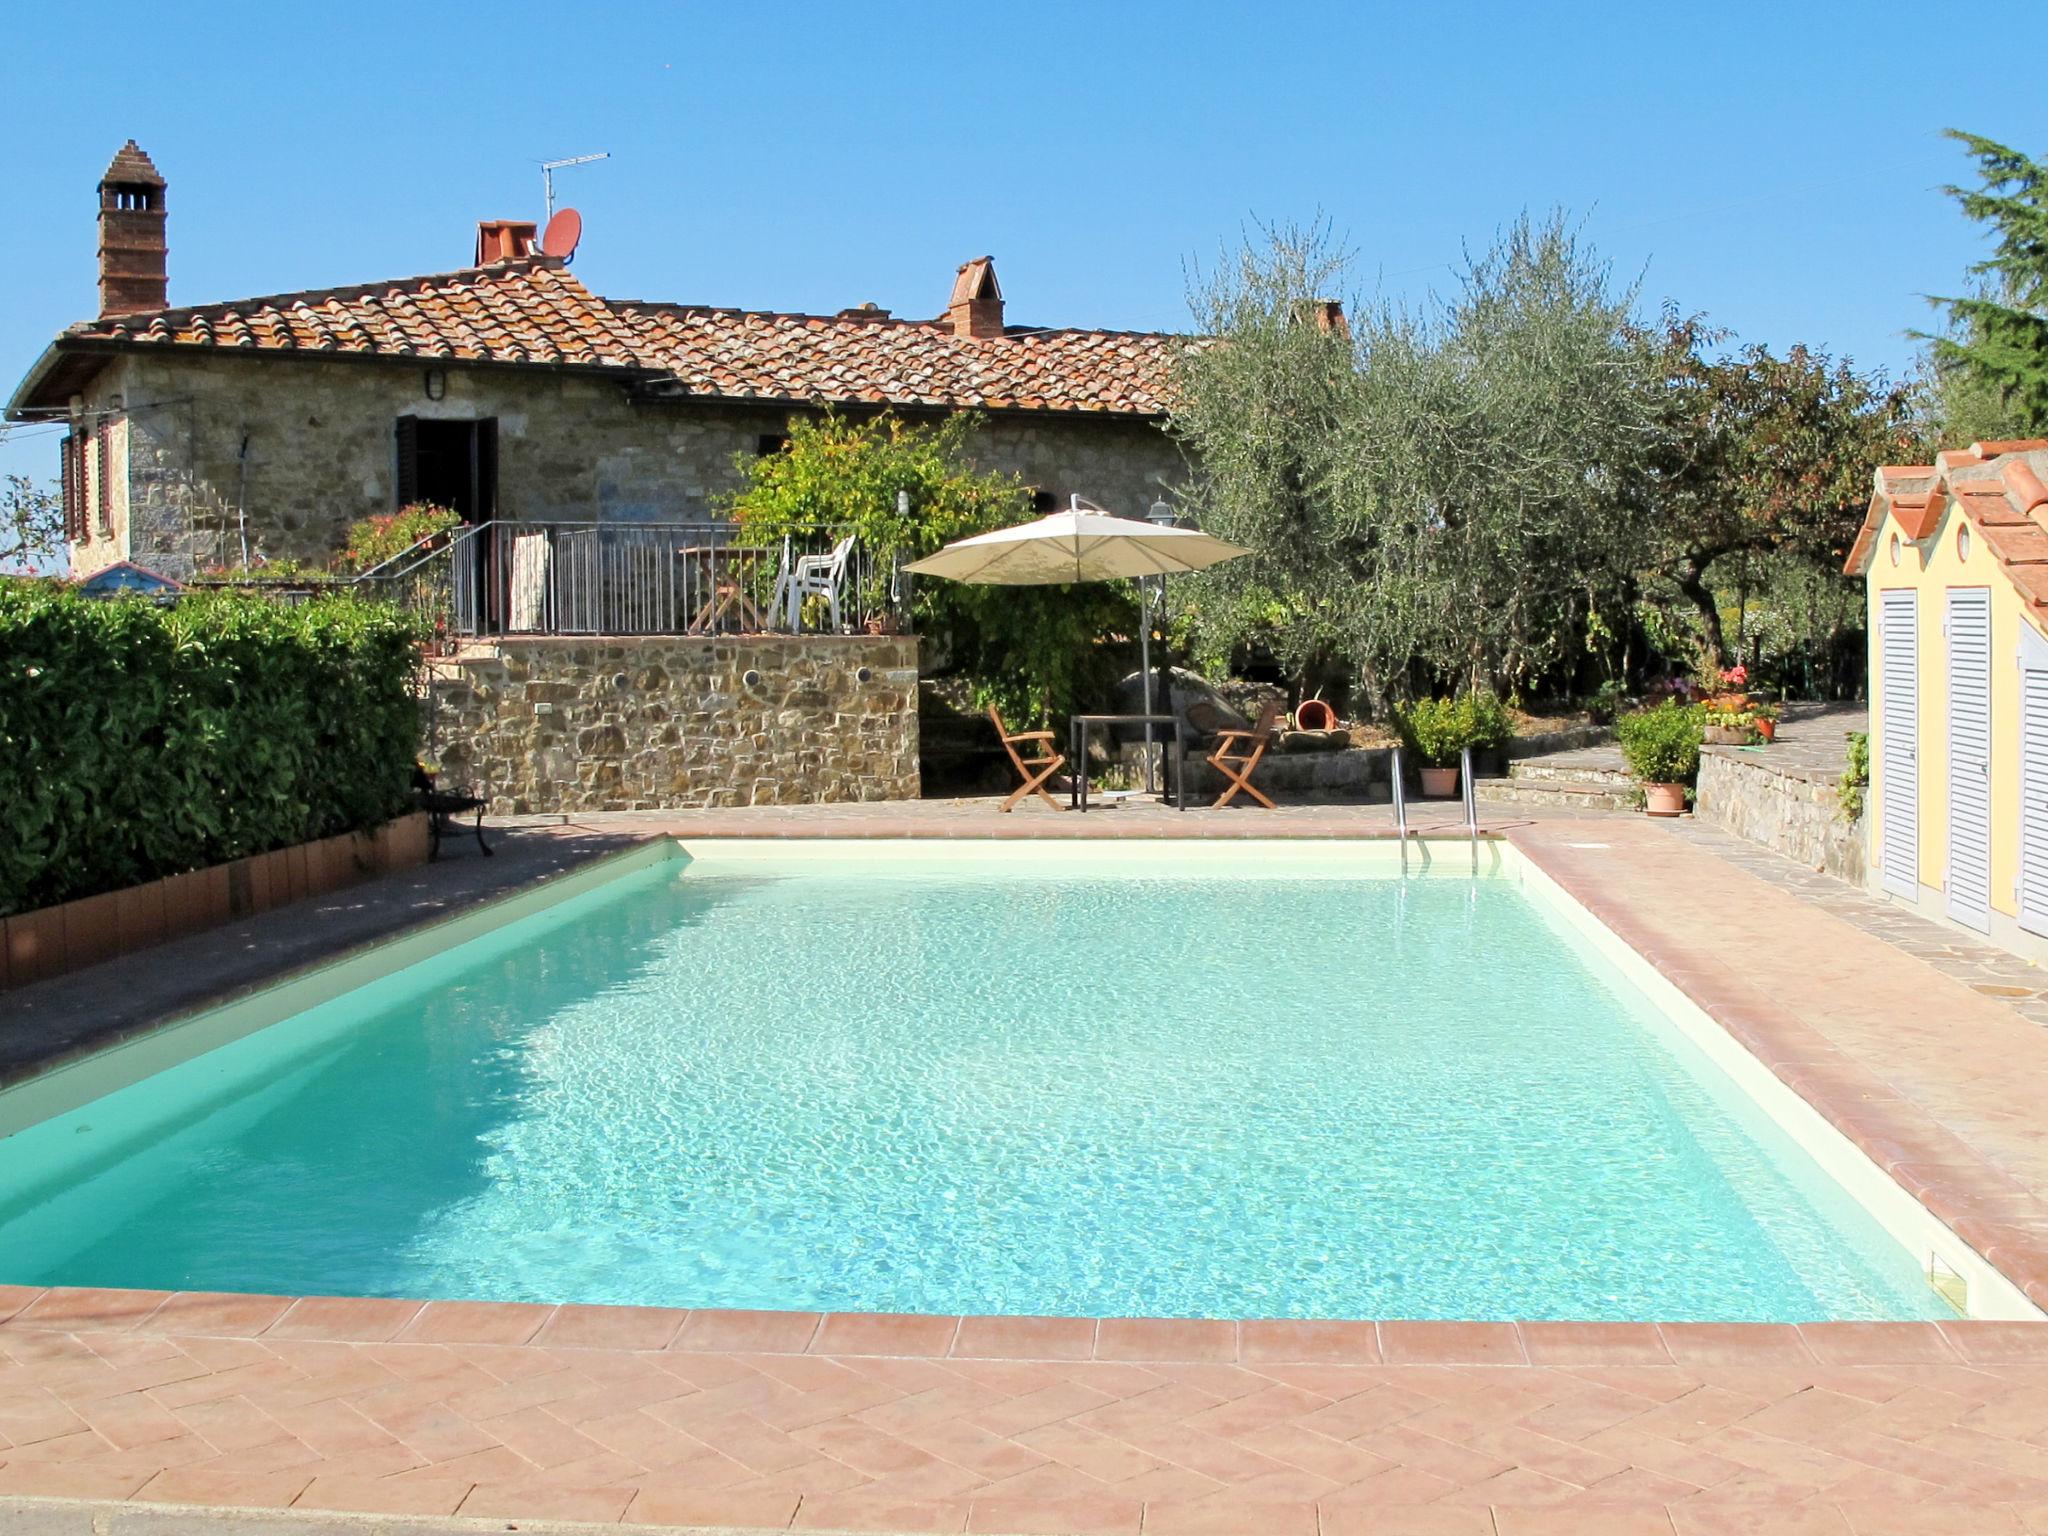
{"points": [[74, 492], [408, 478], [103, 443]]}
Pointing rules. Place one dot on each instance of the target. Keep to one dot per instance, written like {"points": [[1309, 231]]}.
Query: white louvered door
{"points": [[2033, 892], [1899, 742], [1969, 756]]}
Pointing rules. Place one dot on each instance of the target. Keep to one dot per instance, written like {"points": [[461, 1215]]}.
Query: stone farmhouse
{"points": [[508, 389]]}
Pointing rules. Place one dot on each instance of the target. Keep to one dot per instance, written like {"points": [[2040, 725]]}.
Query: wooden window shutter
{"points": [[486, 469], [74, 493], [408, 460], [103, 440]]}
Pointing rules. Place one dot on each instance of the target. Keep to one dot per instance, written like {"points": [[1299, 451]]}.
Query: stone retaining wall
{"points": [[658, 722], [1787, 807]]}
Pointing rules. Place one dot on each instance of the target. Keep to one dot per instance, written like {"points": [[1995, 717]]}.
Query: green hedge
{"points": [[138, 741]]}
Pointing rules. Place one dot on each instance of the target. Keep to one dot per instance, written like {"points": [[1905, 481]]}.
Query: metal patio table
{"points": [[1077, 753]]}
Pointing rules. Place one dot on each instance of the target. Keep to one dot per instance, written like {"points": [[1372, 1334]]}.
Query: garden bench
{"points": [[442, 807]]}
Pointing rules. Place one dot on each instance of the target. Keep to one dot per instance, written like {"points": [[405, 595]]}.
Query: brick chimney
{"points": [[134, 261], [977, 304], [503, 240], [1326, 315]]}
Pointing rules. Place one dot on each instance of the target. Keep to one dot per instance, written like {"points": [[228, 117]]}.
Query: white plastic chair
{"points": [[813, 576]]}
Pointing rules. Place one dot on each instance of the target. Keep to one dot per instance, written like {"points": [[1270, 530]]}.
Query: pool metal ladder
{"points": [[1471, 797]]}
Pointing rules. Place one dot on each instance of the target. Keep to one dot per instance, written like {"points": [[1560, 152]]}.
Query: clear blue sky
{"points": [[1776, 165]]}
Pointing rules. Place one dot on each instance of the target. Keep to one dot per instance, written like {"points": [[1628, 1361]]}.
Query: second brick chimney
{"points": [[503, 240], [977, 304], [134, 260]]}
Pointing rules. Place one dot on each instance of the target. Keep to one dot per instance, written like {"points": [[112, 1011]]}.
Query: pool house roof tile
{"points": [[2000, 487]]}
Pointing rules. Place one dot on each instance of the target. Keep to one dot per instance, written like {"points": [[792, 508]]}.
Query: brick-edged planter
{"points": [[53, 940]]}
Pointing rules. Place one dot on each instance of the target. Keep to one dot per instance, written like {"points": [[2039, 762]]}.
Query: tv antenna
{"points": [[549, 167]]}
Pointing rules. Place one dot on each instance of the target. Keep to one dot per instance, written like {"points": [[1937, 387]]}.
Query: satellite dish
{"points": [[564, 230]]}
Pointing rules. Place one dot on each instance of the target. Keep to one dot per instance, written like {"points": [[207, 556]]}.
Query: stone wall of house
{"points": [[661, 722], [1789, 808], [321, 450]]}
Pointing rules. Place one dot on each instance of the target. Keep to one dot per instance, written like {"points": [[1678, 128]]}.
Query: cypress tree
{"points": [[1996, 349]]}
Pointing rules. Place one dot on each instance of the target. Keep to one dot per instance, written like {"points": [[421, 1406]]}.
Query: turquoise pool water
{"points": [[1241, 1091]]}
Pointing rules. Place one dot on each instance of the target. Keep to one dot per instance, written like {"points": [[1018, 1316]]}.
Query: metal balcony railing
{"points": [[508, 577]]}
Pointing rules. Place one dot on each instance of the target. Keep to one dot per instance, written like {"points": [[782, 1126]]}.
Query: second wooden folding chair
{"points": [[1034, 770]]}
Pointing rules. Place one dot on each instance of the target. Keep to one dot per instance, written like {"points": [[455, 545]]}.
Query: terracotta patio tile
{"points": [[81, 1310], [1227, 1516], [344, 1319], [1735, 1344], [475, 1322], [218, 1315], [1350, 1519], [1098, 1514], [421, 1495], [1705, 1517], [581, 1327], [1594, 1344], [1025, 1338], [1165, 1339], [885, 1333], [1583, 1520], [1889, 1518], [1876, 1343], [1308, 1339], [205, 1484], [71, 1479], [544, 1501], [680, 1504], [768, 1333], [852, 1512], [1432, 1343], [14, 1298], [1992, 1343]]}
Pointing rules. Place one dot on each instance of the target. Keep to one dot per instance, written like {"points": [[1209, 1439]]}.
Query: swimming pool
{"points": [[1127, 1080]]}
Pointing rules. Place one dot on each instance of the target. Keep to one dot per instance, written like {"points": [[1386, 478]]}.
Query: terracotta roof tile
{"points": [[532, 311], [1997, 487]]}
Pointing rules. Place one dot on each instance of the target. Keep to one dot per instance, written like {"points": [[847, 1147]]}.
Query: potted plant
{"points": [[1661, 746], [1729, 723], [1766, 716], [1437, 731]]}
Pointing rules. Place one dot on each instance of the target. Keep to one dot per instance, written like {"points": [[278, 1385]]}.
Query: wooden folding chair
{"points": [[1237, 753], [1035, 770]]}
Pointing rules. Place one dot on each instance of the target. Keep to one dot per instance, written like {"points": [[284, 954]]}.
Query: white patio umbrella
{"points": [[1083, 543], [1080, 544]]}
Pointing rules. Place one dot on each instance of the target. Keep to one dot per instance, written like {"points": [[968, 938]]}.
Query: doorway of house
{"points": [[451, 464]]}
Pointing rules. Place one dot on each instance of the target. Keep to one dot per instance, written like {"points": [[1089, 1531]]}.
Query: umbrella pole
{"points": [[1145, 665]]}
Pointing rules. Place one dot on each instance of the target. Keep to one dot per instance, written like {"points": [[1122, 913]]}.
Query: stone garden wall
{"points": [[665, 722], [1788, 807]]}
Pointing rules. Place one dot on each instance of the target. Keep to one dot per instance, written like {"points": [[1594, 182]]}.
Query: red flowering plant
{"points": [[379, 538]]}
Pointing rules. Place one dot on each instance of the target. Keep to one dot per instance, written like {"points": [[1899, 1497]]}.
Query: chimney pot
{"points": [[134, 260], [503, 240], [977, 304]]}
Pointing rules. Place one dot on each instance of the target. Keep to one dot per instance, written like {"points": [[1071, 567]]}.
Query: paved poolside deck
{"points": [[915, 1424]]}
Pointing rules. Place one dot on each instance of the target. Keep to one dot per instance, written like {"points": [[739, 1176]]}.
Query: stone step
{"points": [[1586, 797], [1538, 770]]}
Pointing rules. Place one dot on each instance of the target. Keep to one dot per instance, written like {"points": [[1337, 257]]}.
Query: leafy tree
{"points": [[1992, 364], [1761, 455], [1034, 651], [1435, 496], [31, 525]]}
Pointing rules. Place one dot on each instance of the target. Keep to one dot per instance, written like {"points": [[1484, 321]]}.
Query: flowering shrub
{"points": [[376, 539]]}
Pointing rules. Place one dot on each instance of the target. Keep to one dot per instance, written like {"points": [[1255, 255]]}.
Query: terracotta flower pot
{"points": [[1664, 799], [1767, 729], [1314, 715], [1439, 783]]}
